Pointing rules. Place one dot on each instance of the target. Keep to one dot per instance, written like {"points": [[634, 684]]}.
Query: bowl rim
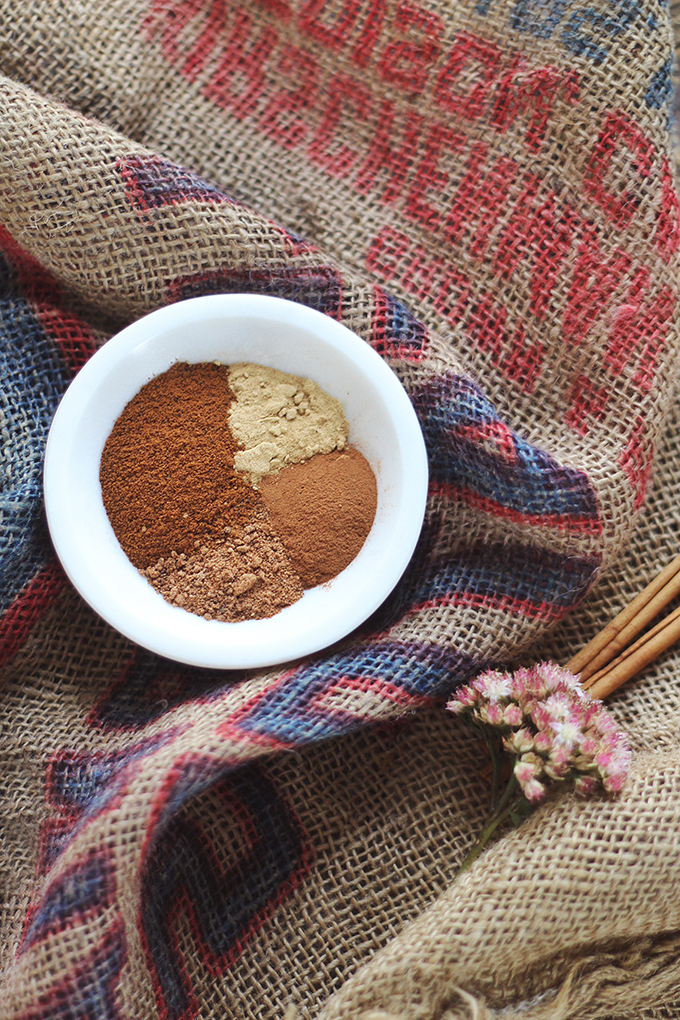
{"points": [[211, 651]]}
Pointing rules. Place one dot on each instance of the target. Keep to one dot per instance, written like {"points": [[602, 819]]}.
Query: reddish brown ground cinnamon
{"points": [[322, 510], [167, 470]]}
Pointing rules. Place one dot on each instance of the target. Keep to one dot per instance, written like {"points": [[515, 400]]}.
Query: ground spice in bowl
{"points": [[322, 509], [232, 488]]}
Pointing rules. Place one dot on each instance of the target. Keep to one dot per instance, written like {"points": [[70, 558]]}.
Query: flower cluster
{"points": [[554, 729]]}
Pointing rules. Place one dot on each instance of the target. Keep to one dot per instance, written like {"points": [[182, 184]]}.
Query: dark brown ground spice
{"points": [[245, 576], [323, 510], [167, 470]]}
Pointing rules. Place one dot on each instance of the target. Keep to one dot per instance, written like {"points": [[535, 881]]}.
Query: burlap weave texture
{"points": [[484, 193]]}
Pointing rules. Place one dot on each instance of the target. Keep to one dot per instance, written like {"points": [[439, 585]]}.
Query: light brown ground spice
{"points": [[245, 576], [281, 419], [323, 510]]}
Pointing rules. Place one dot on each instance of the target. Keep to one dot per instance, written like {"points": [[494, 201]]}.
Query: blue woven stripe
{"points": [[33, 378], [150, 685], [184, 867], [90, 885], [155, 182], [319, 288], [525, 574], [453, 414], [82, 785], [288, 712]]}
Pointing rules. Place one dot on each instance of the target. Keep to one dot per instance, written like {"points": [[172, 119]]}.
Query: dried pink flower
{"points": [[533, 790], [465, 696], [519, 741], [553, 727], [543, 740], [491, 713], [585, 785], [493, 685], [512, 715]]}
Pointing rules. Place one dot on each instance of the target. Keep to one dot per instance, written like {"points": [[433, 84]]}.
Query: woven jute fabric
{"points": [[484, 192]]}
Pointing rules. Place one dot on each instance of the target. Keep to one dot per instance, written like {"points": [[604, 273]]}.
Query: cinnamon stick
{"points": [[648, 649], [605, 646]]}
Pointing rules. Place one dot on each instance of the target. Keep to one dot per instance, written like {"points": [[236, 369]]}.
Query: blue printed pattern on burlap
{"points": [[584, 30], [293, 712], [319, 288], [469, 448], [522, 580], [660, 91], [153, 182], [82, 785], [149, 685], [33, 381], [89, 885], [224, 903], [88, 991], [396, 331]]}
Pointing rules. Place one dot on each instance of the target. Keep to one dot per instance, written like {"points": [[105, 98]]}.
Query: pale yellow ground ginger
{"points": [[281, 419]]}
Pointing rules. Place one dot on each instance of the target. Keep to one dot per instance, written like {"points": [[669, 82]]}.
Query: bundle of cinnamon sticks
{"points": [[616, 653]]}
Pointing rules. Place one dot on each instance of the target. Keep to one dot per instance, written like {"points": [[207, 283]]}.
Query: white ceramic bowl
{"points": [[232, 328]]}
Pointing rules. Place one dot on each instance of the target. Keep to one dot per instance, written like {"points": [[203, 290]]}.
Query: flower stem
{"points": [[495, 766], [500, 815]]}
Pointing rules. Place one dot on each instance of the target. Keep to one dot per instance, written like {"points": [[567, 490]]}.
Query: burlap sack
{"points": [[485, 195]]}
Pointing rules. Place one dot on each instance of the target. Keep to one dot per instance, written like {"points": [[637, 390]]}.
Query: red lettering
{"points": [[480, 198], [512, 242], [618, 132], [168, 20], [549, 237], [385, 157], [213, 30], [238, 81], [279, 119], [486, 325], [394, 256], [387, 253], [640, 333], [622, 338], [636, 461], [418, 272], [585, 402], [370, 33], [523, 92], [541, 235], [519, 361], [667, 236], [344, 94], [482, 60], [406, 64], [334, 34], [523, 362], [280, 8], [429, 178], [596, 279], [452, 298]]}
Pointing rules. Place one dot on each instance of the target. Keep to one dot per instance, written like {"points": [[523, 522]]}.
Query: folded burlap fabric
{"points": [[483, 192]]}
